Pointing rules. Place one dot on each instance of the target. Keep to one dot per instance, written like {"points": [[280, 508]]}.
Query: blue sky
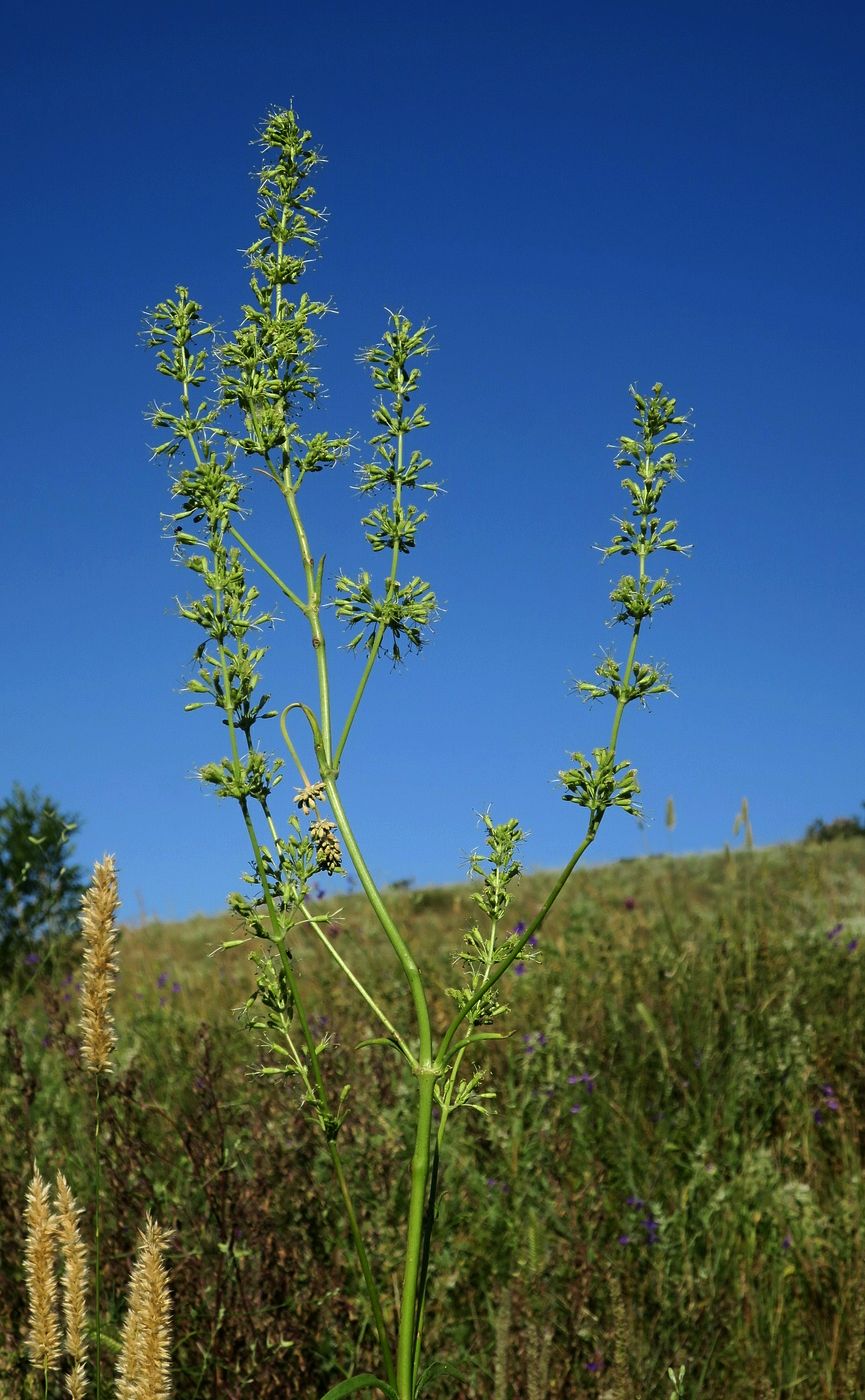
{"points": [[577, 197]]}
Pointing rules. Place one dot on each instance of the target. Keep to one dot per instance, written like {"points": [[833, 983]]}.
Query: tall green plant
{"points": [[242, 397]]}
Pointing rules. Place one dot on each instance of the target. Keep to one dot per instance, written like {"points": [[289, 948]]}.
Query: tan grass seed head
{"points": [[99, 906], [144, 1371], [43, 1339], [74, 1280]]}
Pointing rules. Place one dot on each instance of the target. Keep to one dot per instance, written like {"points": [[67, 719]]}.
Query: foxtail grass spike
{"points": [[99, 906], [143, 1371], [43, 1340], [74, 1285]]}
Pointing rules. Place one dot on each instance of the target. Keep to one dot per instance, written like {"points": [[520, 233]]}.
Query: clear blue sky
{"points": [[577, 197]]}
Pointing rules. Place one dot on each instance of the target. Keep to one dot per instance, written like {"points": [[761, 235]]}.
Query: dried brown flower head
{"points": [[98, 909], [43, 1340], [326, 844], [306, 797]]}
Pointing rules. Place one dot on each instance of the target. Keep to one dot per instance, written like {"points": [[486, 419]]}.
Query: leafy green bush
{"points": [[39, 890], [835, 830]]}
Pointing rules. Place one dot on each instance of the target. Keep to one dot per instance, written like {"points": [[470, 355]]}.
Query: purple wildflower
{"points": [[520, 927], [588, 1081], [787, 1241], [519, 969], [32, 959], [175, 987], [635, 1202], [533, 940], [818, 1115], [833, 932], [630, 903], [651, 1227], [573, 1079], [624, 1239], [162, 979], [576, 1108], [852, 945]]}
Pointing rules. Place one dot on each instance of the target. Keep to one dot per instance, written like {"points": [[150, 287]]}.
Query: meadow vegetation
{"points": [[671, 1171], [651, 1178]]}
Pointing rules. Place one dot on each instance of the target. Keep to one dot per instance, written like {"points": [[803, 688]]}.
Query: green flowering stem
{"points": [[313, 607], [359, 987], [489, 982], [380, 630], [262, 564], [316, 735]]}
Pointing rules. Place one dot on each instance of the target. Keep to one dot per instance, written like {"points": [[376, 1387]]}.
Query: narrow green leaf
{"points": [[356, 1383], [432, 1373]]}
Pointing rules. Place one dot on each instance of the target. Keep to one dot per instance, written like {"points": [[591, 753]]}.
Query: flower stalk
{"points": [[242, 397]]}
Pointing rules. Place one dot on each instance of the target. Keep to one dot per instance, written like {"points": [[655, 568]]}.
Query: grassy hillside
{"points": [[671, 1170]]}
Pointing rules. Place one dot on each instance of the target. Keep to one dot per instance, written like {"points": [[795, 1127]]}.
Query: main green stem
{"points": [[426, 1072]]}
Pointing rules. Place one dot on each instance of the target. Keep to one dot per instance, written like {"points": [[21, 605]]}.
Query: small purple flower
{"points": [[162, 979], [651, 1227], [635, 1202], [67, 980], [787, 1241], [67, 996], [833, 932], [533, 940], [32, 959], [519, 928], [818, 1115], [576, 1108], [175, 987], [588, 1081], [573, 1079], [596, 1364], [630, 904], [519, 969], [852, 945], [624, 1239]]}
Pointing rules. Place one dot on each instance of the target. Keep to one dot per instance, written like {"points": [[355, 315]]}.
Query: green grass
{"points": [[676, 1045]]}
